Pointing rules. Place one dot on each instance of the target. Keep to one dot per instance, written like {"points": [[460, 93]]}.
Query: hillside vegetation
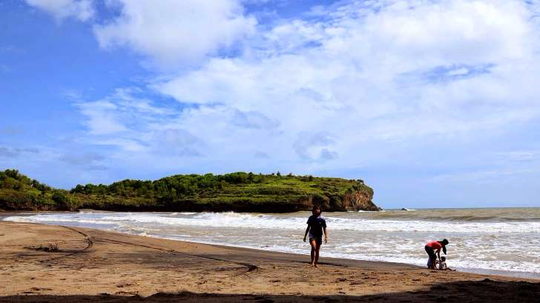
{"points": [[230, 192]]}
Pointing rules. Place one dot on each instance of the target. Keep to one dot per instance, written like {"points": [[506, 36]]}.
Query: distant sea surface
{"points": [[491, 240]]}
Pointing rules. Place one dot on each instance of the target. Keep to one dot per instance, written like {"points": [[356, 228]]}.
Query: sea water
{"points": [[493, 240]]}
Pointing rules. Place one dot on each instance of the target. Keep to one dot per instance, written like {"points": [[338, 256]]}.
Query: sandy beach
{"points": [[92, 265]]}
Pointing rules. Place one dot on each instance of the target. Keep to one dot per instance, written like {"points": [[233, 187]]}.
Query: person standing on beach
{"points": [[316, 228], [433, 249]]}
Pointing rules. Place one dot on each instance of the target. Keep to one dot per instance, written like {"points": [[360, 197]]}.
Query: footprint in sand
{"points": [[34, 289], [124, 284], [124, 293]]}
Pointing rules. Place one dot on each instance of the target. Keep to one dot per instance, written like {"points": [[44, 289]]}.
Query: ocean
{"points": [[491, 240]]}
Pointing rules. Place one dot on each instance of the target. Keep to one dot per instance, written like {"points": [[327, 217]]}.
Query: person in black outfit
{"points": [[316, 228]]}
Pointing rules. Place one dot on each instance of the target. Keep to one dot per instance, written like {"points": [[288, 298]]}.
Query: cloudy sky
{"points": [[433, 103]]}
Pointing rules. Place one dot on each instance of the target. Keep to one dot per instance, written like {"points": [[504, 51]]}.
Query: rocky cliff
{"points": [[353, 200]]}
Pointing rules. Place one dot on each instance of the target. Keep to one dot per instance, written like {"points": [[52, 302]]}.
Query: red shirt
{"points": [[435, 245]]}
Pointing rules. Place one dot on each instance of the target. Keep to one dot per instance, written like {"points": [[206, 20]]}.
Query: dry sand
{"points": [[93, 265]]}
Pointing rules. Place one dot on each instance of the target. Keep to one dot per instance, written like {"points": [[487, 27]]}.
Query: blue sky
{"points": [[432, 103]]}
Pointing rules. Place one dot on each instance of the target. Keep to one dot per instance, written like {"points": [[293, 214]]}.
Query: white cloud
{"points": [[409, 71], [102, 117], [523, 156], [350, 86], [14, 152], [314, 146], [120, 113], [177, 33], [137, 129], [450, 30], [490, 176], [83, 10], [89, 161]]}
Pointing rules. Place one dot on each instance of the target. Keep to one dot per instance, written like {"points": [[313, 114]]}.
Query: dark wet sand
{"points": [[94, 265]]}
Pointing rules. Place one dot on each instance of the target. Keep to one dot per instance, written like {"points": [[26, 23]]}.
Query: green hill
{"points": [[246, 192]]}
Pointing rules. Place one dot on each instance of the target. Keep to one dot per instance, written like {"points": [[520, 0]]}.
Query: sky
{"points": [[432, 103]]}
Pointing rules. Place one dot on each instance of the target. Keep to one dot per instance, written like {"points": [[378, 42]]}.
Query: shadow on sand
{"points": [[476, 291]]}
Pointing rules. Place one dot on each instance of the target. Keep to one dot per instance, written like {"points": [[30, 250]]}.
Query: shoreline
{"points": [[94, 265], [486, 272], [492, 272]]}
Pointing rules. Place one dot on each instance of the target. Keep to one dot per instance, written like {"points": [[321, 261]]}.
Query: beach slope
{"points": [[92, 265]]}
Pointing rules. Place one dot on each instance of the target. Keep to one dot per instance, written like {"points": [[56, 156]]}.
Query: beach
{"points": [[502, 241], [96, 265]]}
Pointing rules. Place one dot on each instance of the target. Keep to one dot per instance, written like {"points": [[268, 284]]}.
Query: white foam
{"points": [[258, 221]]}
